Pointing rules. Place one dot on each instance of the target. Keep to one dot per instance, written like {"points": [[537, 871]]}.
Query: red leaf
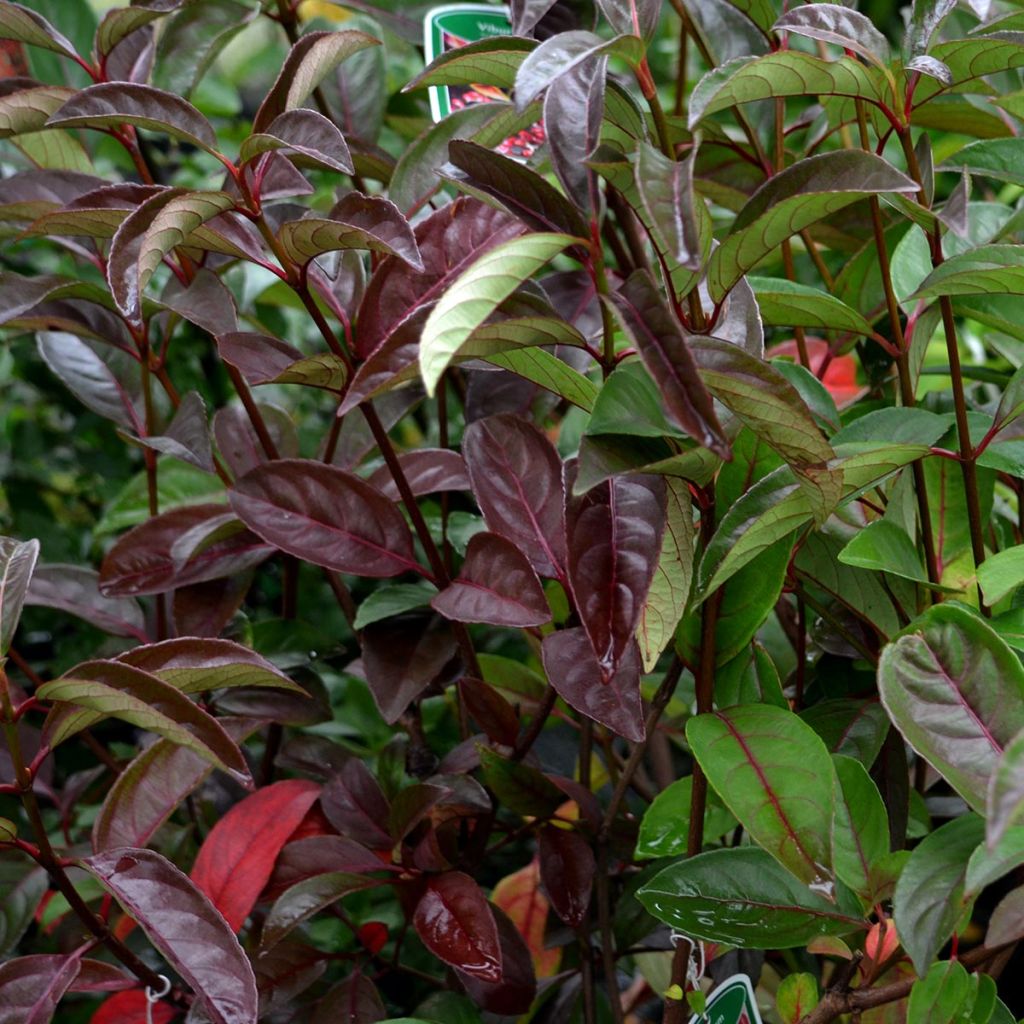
{"points": [[520, 897], [130, 1008], [373, 935], [567, 870], [514, 994], [455, 922], [237, 858], [840, 376]]}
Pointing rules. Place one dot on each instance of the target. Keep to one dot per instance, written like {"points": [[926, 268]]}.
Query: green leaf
{"points": [[944, 995], [991, 158], [17, 561], [28, 110], [477, 292], [742, 897], [122, 22], [1001, 574], [104, 688], [519, 787], [884, 547], [549, 372], [899, 426], [794, 199], [860, 829], [790, 304], [774, 773], [1011, 404], [985, 270], [853, 728], [665, 826], [929, 895], [1006, 793], [955, 691], [1007, 922], [670, 587], [26, 26], [776, 506], [989, 865], [749, 678], [795, 997], [393, 600], [491, 61], [777, 75]]}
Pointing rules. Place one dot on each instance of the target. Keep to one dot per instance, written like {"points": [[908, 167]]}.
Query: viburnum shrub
{"points": [[489, 568]]}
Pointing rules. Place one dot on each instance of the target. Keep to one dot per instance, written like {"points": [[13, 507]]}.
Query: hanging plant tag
{"points": [[732, 1002], [453, 26]]}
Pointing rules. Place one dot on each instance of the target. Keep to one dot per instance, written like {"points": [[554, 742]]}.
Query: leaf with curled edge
{"points": [[95, 690], [496, 584], [614, 531], [666, 191], [984, 270], [262, 359], [547, 371], [804, 193], [121, 23], [841, 26], [639, 16], [521, 190], [112, 104], [477, 292], [306, 136], [17, 563], [197, 664], [311, 59], [97, 213], [742, 896], [325, 516], [666, 352], [490, 61], [670, 586], [937, 69], [449, 241], [21, 23], [527, 13], [182, 923], [237, 856], [780, 75], [790, 304], [187, 436], [356, 222], [970, 60], [101, 385], [75, 590], [455, 923], [152, 787], [146, 236], [144, 561], [356, 806], [775, 775], [955, 690], [306, 898], [561, 53], [29, 194], [516, 475], [32, 986], [573, 670], [28, 110]]}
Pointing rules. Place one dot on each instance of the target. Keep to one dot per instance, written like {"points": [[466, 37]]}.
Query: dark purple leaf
{"points": [[308, 63], [639, 17], [148, 234], [573, 110], [17, 562], [150, 789], [325, 516], [258, 357], [356, 222], [833, 23], [659, 339], [76, 590], [308, 137], [518, 188], [19, 294], [402, 656], [285, 972], [454, 920], [302, 901], [496, 584], [143, 560], [356, 806], [111, 104], [95, 689], [427, 470], [353, 1001], [574, 672], [32, 986], [567, 871], [238, 442], [206, 302], [666, 191], [517, 480], [411, 805], [97, 213], [615, 532], [514, 994], [394, 362], [520, 787], [526, 14], [123, 22], [107, 386], [182, 923], [318, 855], [98, 976], [30, 194], [493, 713], [187, 436], [205, 609], [449, 241]]}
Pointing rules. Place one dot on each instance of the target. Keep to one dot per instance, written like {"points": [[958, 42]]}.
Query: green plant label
{"points": [[731, 1003], [453, 26]]}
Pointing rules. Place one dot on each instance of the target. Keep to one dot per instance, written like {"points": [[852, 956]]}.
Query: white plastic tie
{"points": [[697, 962], [152, 998]]}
